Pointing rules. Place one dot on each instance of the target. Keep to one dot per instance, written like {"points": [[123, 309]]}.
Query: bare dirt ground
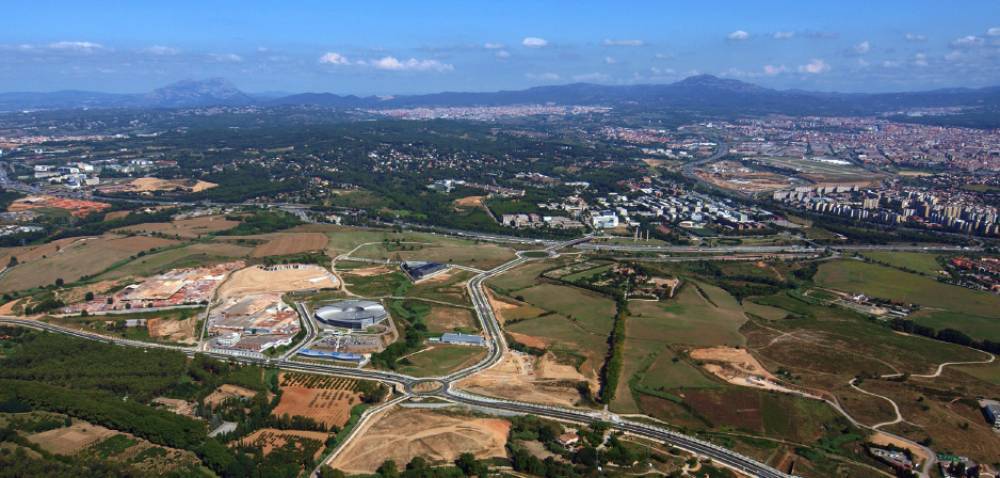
{"points": [[271, 438], [76, 207], [731, 362], [149, 184], [530, 341], [71, 439], [402, 434], [470, 202], [738, 367], [177, 406], [182, 331], [499, 306], [369, 271], [227, 391], [257, 279], [332, 407], [520, 376]]}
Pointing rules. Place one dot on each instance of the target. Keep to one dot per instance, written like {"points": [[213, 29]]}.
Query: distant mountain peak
{"points": [[208, 92], [714, 82]]}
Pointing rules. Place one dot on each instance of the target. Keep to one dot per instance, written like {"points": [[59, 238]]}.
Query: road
{"points": [[497, 346]]}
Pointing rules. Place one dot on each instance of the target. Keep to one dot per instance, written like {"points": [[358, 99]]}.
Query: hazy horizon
{"points": [[401, 48]]}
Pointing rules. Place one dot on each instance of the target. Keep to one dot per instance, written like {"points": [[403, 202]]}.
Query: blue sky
{"points": [[401, 47]]}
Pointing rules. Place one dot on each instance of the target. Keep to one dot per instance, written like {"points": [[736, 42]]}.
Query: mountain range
{"points": [[703, 93]]}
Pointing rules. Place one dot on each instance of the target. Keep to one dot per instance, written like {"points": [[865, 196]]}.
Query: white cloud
{"points": [[953, 56], [890, 64], [783, 35], [334, 58], [863, 47], [814, 67], [772, 70], [664, 56], [968, 41], [161, 50], [993, 32], [662, 71], [915, 37], [543, 76], [502, 54], [610, 60], [920, 59], [493, 46], [84, 46], [226, 57], [611, 42], [738, 35], [591, 77], [534, 42], [392, 64]]}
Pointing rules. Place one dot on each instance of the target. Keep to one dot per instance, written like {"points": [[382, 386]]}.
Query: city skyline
{"points": [[396, 48]]}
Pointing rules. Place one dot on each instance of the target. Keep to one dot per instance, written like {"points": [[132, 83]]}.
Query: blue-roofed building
{"points": [[462, 339], [345, 356], [418, 270]]}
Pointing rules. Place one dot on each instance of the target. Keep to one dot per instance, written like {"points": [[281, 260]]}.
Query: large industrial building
{"points": [[352, 314]]}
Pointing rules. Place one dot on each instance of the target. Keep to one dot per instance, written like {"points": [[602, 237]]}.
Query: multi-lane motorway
{"points": [[444, 385]]}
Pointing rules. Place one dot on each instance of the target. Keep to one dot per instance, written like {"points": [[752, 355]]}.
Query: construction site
{"points": [[178, 287]]}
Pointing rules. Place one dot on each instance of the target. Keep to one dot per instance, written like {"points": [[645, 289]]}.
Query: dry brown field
{"points": [[402, 434], [282, 243], [71, 439], [186, 228], [226, 391], [81, 257], [271, 438], [327, 400]]}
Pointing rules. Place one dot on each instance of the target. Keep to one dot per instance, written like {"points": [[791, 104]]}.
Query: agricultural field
{"points": [[915, 261], [437, 360], [185, 228], [412, 246], [440, 249], [73, 260], [442, 318], [285, 243], [402, 434], [449, 286], [196, 254], [530, 378], [969, 308], [699, 315], [327, 400]]}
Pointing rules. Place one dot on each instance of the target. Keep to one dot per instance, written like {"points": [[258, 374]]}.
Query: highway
{"points": [[497, 346]]}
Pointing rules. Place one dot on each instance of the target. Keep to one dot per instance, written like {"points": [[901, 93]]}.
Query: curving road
{"points": [[497, 346]]}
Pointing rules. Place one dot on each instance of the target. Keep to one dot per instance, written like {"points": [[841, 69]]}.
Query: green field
{"points": [[887, 283], [569, 340], [391, 284], [689, 318], [441, 360], [522, 277], [973, 326], [591, 309], [914, 261], [416, 246]]}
